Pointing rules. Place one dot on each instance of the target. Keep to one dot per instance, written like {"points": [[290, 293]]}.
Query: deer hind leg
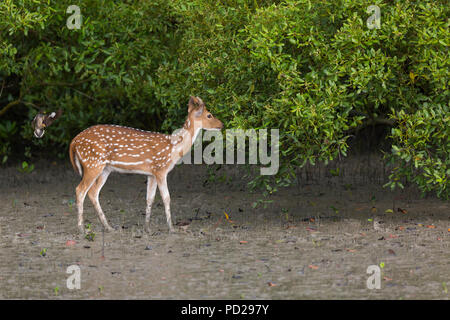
{"points": [[164, 191], [151, 191], [86, 183], [93, 194]]}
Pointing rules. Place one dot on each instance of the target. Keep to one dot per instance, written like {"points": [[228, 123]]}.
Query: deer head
{"points": [[200, 117]]}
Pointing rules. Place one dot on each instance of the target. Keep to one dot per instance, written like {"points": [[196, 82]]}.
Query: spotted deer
{"points": [[102, 149]]}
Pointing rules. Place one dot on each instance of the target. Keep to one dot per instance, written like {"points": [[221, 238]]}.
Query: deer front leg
{"points": [[151, 191], [93, 194], [81, 191], [162, 185]]}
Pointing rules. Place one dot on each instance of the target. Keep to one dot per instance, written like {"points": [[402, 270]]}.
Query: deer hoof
{"points": [[109, 229]]}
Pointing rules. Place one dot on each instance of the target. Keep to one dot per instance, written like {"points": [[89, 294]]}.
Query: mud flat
{"points": [[314, 241]]}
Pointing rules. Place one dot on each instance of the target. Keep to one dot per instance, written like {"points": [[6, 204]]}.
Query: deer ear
{"points": [[199, 111], [192, 103], [200, 101]]}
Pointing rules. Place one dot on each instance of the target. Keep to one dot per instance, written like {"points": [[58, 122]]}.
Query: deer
{"points": [[42, 121], [102, 149]]}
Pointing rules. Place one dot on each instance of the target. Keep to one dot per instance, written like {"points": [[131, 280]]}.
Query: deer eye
{"points": [[209, 116]]}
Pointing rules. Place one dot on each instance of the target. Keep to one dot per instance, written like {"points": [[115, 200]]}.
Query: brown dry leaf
{"points": [[271, 284], [402, 210], [21, 235], [390, 251], [70, 242], [183, 223], [430, 226]]}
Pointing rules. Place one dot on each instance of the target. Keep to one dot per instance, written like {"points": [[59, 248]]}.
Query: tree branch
{"points": [[9, 105], [371, 122]]}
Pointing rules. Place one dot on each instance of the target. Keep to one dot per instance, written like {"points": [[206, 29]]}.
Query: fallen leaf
{"points": [[243, 242], [314, 267], [389, 211], [271, 284], [374, 209], [430, 226], [311, 229], [351, 250], [23, 235], [387, 279], [393, 236], [70, 242], [402, 210], [183, 223], [401, 228]]}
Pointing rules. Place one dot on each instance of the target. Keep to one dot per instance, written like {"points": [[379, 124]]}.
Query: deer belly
{"points": [[137, 166]]}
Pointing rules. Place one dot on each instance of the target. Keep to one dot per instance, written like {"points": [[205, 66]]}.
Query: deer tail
{"points": [[74, 159]]}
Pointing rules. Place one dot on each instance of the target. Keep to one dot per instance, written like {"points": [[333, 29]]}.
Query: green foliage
{"points": [[26, 168], [310, 68], [422, 148]]}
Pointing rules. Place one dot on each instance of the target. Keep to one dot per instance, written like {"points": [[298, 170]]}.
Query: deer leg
{"points": [[82, 189], [164, 191], [93, 194], [151, 191]]}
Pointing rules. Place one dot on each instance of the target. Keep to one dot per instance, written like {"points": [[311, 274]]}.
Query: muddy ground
{"points": [[314, 241]]}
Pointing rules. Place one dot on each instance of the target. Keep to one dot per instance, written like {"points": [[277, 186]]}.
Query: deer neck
{"points": [[189, 133]]}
